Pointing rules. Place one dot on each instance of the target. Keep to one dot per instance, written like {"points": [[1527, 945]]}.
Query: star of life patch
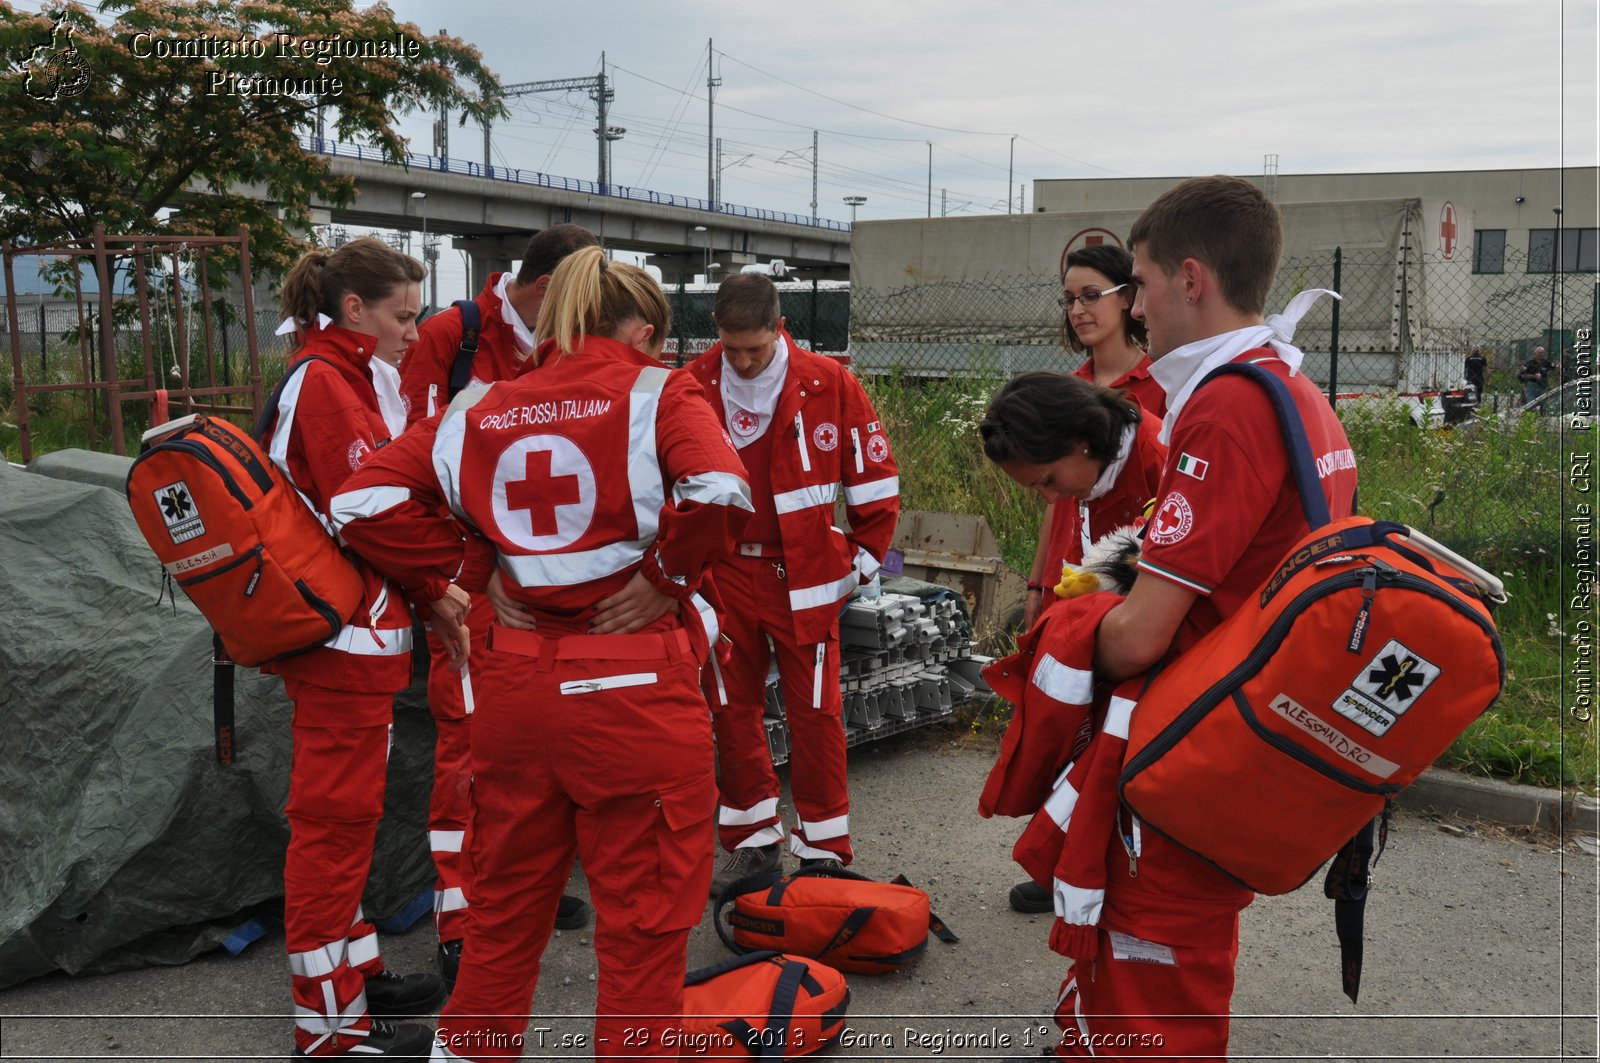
{"points": [[178, 510], [1387, 685]]}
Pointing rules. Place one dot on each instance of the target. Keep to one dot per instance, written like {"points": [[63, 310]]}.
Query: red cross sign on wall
{"points": [[1447, 231]]}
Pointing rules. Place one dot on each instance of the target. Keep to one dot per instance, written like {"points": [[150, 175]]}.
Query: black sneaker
{"points": [[572, 913], [748, 860], [822, 861], [1032, 899], [388, 1040], [449, 963], [400, 995]]}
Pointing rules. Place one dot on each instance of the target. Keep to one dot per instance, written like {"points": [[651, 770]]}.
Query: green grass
{"points": [[1494, 492]]}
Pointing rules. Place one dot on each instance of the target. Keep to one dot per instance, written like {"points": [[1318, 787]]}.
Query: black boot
{"points": [[388, 1040], [397, 996], [1031, 898], [449, 963], [572, 913]]}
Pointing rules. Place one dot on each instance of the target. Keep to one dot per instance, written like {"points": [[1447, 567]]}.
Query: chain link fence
{"points": [[1391, 353]]}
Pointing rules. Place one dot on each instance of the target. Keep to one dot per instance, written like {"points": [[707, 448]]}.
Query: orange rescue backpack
{"points": [[1268, 744], [845, 919], [762, 1005]]}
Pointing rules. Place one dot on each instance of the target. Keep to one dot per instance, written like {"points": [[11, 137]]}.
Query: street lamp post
{"points": [[854, 202], [707, 259]]}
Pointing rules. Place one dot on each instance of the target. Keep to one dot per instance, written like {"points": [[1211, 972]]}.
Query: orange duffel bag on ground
{"points": [[1274, 740], [844, 919], [762, 1005]]}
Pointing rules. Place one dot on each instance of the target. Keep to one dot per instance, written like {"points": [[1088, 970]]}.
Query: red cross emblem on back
{"points": [[542, 493]]}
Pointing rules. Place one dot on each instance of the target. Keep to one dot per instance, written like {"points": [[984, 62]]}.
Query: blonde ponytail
{"points": [[589, 296]]}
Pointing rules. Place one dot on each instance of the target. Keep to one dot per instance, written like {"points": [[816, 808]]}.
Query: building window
{"points": [[1579, 250], [1489, 251]]}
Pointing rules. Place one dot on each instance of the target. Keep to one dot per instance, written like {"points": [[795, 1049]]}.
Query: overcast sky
{"points": [[1144, 88]]}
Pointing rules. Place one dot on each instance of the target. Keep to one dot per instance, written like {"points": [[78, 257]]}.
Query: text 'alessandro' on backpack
{"points": [[761, 1005], [844, 919], [1272, 741], [241, 542]]}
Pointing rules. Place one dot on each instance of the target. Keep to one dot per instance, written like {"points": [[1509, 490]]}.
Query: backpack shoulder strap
{"points": [[471, 325], [269, 409], [1301, 464]]}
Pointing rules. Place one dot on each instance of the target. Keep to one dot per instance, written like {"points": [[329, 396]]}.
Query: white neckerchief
{"points": [[1179, 372], [386, 382], [1107, 479], [509, 314], [757, 397]]}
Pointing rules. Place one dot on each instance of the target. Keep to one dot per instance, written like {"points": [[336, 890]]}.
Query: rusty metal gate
{"points": [[167, 293]]}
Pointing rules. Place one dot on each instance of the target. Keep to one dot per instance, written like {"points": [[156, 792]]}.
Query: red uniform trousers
{"points": [[1163, 1002], [756, 594], [341, 752], [450, 700], [607, 756]]}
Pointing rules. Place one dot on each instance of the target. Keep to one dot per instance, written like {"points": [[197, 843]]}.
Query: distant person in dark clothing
{"points": [[1535, 375], [1477, 368]]}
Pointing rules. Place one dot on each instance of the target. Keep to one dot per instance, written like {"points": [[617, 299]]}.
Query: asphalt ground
{"points": [[1481, 944]]}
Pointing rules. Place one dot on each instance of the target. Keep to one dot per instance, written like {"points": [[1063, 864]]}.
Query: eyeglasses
{"points": [[1087, 298]]}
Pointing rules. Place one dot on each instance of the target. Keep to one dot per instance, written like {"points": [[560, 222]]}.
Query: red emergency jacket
{"points": [[829, 435], [425, 370], [592, 468], [326, 426]]}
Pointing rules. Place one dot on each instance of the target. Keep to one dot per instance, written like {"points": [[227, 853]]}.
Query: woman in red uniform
{"points": [[1092, 453], [1097, 321], [348, 307], [604, 487]]}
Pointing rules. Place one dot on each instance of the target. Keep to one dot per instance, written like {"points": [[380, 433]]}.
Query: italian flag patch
{"points": [[1190, 465]]}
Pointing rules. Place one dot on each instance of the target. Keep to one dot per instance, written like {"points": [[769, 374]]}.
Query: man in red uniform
{"points": [[1205, 254], [508, 306], [803, 426]]}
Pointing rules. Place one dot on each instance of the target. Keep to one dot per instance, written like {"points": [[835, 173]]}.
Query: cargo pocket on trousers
{"points": [[684, 853]]}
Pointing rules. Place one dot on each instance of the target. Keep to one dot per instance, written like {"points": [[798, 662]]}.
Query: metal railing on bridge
{"points": [[516, 175]]}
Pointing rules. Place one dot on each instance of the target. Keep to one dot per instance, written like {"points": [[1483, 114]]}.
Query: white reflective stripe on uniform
{"points": [[871, 491], [805, 498], [365, 641], [278, 448], [1061, 802], [714, 489], [317, 963], [566, 570], [644, 467], [450, 900], [822, 830], [807, 852], [759, 812], [363, 949], [1074, 904], [816, 676], [445, 841], [1071, 986], [1068, 685], [867, 566], [769, 835], [364, 502], [800, 435], [823, 593], [708, 622], [468, 703], [447, 444], [855, 445], [331, 1021], [1118, 715], [716, 671], [608, 682], [433, 399], [1083, 528]]}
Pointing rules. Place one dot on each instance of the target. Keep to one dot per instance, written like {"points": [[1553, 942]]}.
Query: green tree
{"points": [[170, 103]]}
